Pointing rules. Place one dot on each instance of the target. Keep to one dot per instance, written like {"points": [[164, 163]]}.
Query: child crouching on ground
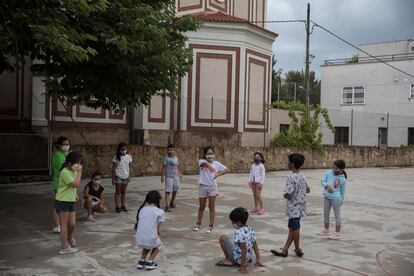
{"points": [[295, 193], [93, 200], [239, 248], [149, 218]]}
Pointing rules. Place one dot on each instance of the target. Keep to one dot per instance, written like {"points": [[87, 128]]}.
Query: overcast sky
{"points": [[357, 21]]}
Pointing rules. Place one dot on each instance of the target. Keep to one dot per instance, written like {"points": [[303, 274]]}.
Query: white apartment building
{"points": [[370, 103]]}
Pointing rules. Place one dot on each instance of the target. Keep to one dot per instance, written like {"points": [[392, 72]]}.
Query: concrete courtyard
{"points": [[378, 235]]}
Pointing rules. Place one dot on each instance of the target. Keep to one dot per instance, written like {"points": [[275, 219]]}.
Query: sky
{"points": [[357, 21]]}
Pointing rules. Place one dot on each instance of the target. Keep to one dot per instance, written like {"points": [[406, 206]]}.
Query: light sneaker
{"points": [[253, 210], [94, 215], [68, 250], [141, 264], [324, 232], [210, 230], [196, 228], [334, 236], [72, 242], [56, 229], [260, 211], [150, 265], [91, 218]]}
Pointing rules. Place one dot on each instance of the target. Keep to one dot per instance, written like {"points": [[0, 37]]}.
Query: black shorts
{"points": [[64, 206], [294, 223]]}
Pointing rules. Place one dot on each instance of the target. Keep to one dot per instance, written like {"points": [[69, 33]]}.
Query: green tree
{"points": [[276, 79], [104, 53], [286, 86], [302, 133]]}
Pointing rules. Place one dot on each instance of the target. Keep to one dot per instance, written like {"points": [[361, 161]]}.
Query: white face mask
{"points": [[74, 167], [65, 148], [235, 226], [210, 157]]}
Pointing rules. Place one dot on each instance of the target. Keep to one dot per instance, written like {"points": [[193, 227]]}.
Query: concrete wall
{"points": [[148, 160], [386, 90]]}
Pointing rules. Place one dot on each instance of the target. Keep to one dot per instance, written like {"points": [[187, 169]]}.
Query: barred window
{"points": [[353, 95]]}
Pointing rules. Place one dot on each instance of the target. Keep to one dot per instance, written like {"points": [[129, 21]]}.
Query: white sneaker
{"points": [[196, 228], [324, 232], [150, 265], [91, 218], [334, 236], [209, 230], [56, 229], [68, 250], [72, 242]]}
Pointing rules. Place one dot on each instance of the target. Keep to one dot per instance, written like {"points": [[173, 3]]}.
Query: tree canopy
{"points": [[286, 86], [104, 53]]}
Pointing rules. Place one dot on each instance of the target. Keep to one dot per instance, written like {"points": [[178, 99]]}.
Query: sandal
{"points": [[281, 253], [222, 263], [299, 252]]}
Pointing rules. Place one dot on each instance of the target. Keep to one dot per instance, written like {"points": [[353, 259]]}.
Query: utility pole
{"points": [[307, 89]]}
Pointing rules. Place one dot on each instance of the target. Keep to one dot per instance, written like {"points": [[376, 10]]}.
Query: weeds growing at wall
{"points": [[303, 131]]}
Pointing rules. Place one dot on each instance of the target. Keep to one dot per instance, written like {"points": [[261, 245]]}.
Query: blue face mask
{"points": [[337, 172]]}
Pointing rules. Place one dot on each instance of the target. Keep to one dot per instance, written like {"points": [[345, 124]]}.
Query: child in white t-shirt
{"points": [[149, 218], [256, 181], [120, 176], [209, 171]]}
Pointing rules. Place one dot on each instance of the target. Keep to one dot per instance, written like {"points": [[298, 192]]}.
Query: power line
{"points": [[359, 49], [338, 37]]}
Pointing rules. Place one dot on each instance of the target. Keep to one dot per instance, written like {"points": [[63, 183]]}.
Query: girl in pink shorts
{"points": [[256, 181], [210, 169]]}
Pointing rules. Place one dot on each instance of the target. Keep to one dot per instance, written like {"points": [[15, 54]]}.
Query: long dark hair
{"points": [[261, 156], [153, 197], [73, 157], [118, 150], [206, 149], [341, 165]]}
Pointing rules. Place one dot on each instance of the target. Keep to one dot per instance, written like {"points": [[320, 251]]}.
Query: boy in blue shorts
{"points": [[295, 192]]}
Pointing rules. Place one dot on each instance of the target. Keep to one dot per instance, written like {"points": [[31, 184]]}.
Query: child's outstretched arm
{"points": [[243, 259], [257, 253]]}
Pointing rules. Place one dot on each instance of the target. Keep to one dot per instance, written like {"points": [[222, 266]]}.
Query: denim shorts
{"points": [[64, 206], [121, 180], [294, 223]]}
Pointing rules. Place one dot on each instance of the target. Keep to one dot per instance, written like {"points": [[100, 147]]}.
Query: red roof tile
{"points": [[213, 16]]}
